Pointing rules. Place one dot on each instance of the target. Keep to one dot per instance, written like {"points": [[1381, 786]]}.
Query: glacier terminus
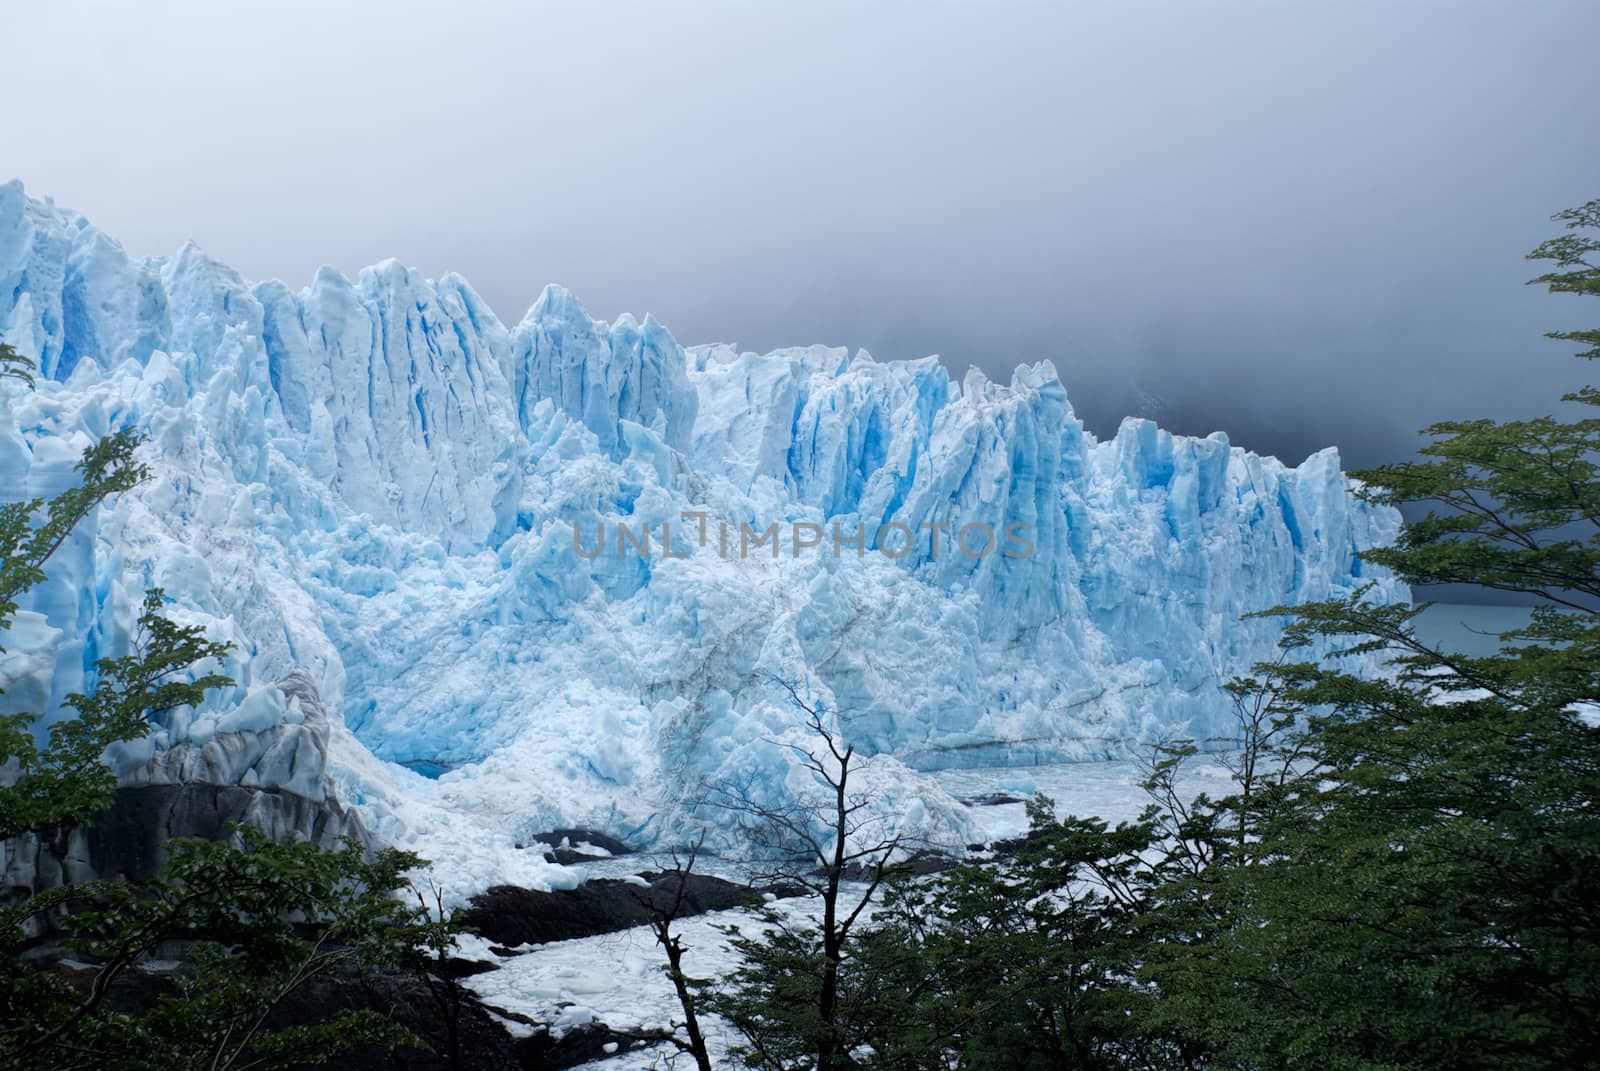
{"points": [[387, 500]]}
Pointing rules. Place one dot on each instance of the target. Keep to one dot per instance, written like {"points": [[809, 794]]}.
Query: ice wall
{"points": [[370, 487]]}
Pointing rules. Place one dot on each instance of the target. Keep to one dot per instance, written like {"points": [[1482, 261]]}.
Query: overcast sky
{"points": [[1300, 223]]}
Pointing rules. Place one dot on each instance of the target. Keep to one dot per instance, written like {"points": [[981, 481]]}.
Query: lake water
{"points": [[1468, 629]]}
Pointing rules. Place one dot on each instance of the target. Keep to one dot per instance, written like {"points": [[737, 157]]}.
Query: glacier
{"points": [[387, 501]]}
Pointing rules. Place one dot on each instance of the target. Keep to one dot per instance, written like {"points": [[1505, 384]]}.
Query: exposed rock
{"points": [[458, 967], [567, 846], [1008, 846], [580, 1045], [483, 1039], [992, 799], [511, 916], [584, 836], [488, 1038], [923, 862], [128, 840]]}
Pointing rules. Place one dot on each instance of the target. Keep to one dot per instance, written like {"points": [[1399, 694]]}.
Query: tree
{"points": [[1025, 962], [791, 1001], [1038, 959], [264, 919], [430, 940], [14, 365], [1431, 897], [64, 781], [267, 919], [662, 921], [1405, 873]]}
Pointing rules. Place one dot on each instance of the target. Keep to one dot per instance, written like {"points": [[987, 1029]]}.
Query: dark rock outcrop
{"points": [[560, 845], [511, 916], [483, 1039], [920, 864], [580, 1045], [993, 799], [128, 839]]}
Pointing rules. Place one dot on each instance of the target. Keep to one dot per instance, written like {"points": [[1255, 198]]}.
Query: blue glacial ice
{"points": [[371, 487]]}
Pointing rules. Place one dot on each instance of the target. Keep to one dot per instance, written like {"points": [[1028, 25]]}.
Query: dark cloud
{"points": [[1300, 223]]}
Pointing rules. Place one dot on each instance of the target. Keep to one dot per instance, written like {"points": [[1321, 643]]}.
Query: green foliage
{"points": [[1422, 892], [1023, 964], [260, 920], [798, 1001], [65, 782], [31, 530], [772, 999], [1511, 495], [265, 919], [1577, 260], [15, 365], [1404, 874]]}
